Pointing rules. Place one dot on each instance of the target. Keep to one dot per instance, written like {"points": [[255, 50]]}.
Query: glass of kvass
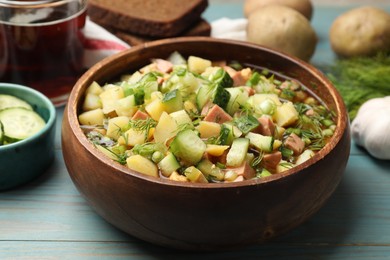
{"points": [[41, 45]]}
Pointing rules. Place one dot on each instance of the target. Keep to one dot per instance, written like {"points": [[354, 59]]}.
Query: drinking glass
{"points": [[41, 45]]}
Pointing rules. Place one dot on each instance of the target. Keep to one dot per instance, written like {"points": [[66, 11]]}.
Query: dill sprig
{"points": [[143, 125], [360, 79]]}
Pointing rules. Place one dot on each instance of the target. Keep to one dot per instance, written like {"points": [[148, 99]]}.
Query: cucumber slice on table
{"points": [[20, 123], [8, 101]]}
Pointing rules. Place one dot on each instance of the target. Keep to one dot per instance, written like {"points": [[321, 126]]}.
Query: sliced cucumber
{"points": [[8, 101], [20, 123], [188, 147]]}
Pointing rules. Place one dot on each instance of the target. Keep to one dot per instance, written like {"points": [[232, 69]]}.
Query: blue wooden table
{"points": [[48, 219]]}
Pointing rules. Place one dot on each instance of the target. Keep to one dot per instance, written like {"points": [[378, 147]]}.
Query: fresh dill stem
{"points": [[143, 125], [360, 79]]}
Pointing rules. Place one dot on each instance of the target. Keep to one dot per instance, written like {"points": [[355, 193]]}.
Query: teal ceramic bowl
{"points": [[25, 160]]}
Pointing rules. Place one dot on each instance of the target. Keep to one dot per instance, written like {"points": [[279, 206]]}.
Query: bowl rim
{"points": [[48, 104], [340, 109]]}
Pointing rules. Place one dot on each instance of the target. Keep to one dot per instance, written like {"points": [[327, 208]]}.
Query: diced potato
{"points": [[143, 165], [155, 109], [190, 107], [208, 129], [91, 102], [117, 126], [197, 64], [257, 99], [166, 128], [94, 88], [175, 176], [110, 97], [286, 114], [126, 106], [216, 150], [306, 155], [277, 143], [283, 166], [133, 137], [181, 117], [92, 117]]}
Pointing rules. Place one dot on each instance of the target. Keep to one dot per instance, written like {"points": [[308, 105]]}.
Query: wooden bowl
{"points": [[204, 216]]}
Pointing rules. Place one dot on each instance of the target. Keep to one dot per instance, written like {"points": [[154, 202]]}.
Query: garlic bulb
{"points": [[371, 127]]}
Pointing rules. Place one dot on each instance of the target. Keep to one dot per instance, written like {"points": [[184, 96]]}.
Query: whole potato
{"points": [[283, 29], [305, 7], [362, 31]]}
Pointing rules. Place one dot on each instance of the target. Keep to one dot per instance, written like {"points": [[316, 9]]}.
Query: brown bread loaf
{"points": [[151, 18], [201, 28]]}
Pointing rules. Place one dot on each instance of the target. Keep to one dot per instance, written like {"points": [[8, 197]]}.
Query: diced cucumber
{"points": [[194, 175], [210, 170], [238, 97], [220, 96], [20, 123], [203, 96], [221, 79], [246, 123], [168, 165], [172, 101], [188, 147], [261, 142], [237, 152], [8, 101]]}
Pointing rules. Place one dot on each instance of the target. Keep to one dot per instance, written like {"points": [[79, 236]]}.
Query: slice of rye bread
{"points": [[201, 28], [152, 18]]}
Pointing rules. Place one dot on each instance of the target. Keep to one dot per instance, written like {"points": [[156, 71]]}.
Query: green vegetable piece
{"points": [[147, 150], [20, 123], [210, 170], [172, 101], [222, 79], [194, 175], [168, 165], [226, 135], [253, 80], [188, 147], [221, 97], [261, 142], [8, 101], [237, 152], [246, 123]]}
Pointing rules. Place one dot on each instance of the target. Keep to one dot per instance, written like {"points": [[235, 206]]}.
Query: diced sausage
{"points": [[163, 65], [239, 77], [250, 91], [266, 127], [271, 160], [295, 143], [139, 115], [244, 170], [218, 115]]}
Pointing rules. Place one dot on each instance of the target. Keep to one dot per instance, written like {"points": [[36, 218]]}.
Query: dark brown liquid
{"points": [[46, 57]]}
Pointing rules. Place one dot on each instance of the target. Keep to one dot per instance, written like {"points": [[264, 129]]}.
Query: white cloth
{"points": [[226, 28], [99, 43]]}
